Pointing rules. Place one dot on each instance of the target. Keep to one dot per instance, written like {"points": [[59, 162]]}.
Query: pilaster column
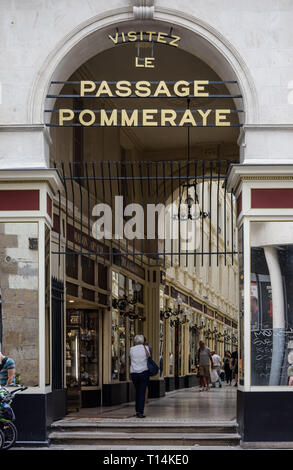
{"points": [[265, 232]]}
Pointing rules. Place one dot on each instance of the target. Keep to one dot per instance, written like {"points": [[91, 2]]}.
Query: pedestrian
{"points": [[139, 372], [227, 367], [234, 364], [7, 370], [148, 384], [217, 364], [204, 361]]}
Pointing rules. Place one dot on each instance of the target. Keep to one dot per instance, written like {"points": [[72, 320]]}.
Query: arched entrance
{"points": [[98, 164]]}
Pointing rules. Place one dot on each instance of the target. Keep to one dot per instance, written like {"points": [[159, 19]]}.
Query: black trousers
{"points": [[228, 374], [140, 382]]}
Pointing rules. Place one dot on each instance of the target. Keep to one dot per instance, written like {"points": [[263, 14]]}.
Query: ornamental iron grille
{"points": [[168, 213]]}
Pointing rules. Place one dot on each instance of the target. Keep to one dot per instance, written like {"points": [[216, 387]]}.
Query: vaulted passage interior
{"points": [[146, 223]]}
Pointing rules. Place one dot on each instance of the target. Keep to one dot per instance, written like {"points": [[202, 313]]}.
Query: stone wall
{"points": [[19, 290]]}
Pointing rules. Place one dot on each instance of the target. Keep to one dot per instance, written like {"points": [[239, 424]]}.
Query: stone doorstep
{"points": [[145, 423], [146, 428], [99, 438], [266, 445]]}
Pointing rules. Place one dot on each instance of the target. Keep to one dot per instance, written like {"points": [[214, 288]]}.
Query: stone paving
{"points": [[178, 406]]}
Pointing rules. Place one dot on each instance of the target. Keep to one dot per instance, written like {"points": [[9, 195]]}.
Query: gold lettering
{"points": [[114, 39], [204, 115], [123, 88], [143, 89], [176, 39], [220, 116], [104, 89], [185, 90], [90, 113], [150, 33], [129, 120], [65, 115], [132, 36], [198, 88], [187, 118], [137, 63], [170, 119], [86, 86], [160, 36], [147, 117], [108, 121], [148, 62], [162, 89]]}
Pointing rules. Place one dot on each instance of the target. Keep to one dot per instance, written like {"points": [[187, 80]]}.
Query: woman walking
{"points": [[139, 372], [227, 367]]}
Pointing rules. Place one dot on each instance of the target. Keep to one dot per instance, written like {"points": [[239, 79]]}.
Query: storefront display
{"points": [[82, 354], [127, 322], [72, 360], [89, 349], [171, 349], [271, 302]]}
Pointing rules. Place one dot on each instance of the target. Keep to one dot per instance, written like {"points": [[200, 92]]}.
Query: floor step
{"points": [[146, 427], [122, 438]]}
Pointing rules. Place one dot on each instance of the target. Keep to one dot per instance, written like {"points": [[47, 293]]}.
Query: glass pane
{"points": [[89, 349], [115, 345], [171, 350], [119, 371], [271, 295]]}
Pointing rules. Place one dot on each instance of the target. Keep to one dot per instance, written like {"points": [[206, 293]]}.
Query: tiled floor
{"points": [[185, 404]]}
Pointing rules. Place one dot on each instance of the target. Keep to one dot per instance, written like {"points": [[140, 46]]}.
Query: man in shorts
{"points": [[204, 361]]}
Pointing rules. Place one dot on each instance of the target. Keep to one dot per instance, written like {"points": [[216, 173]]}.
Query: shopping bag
{"points": [[214, 375]]}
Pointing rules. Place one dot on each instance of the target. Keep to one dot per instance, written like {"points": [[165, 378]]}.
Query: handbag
{"points": [[214, 375], [152, 366]]}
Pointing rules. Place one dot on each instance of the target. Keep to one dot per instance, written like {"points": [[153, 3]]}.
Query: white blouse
{"points": [[138, 359]]}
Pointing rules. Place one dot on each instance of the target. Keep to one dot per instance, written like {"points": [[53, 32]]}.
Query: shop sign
{"points": [[88, 243], [195, 304], [163, 117], [175, 293], [145, 88]]}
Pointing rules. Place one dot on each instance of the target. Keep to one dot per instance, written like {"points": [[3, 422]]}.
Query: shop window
{"points": [[271, 299], [121, 285], [89, 364], [72, 265], [171, 349], [162, 339], [88, 270], [115, 288], [102, 276], [136, 289], [71, 289], [118, 367], [193, 348], [88, 294]]}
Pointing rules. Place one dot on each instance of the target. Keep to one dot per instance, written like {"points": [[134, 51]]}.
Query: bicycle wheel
{"points": [[10, 434], [1, 439]]}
